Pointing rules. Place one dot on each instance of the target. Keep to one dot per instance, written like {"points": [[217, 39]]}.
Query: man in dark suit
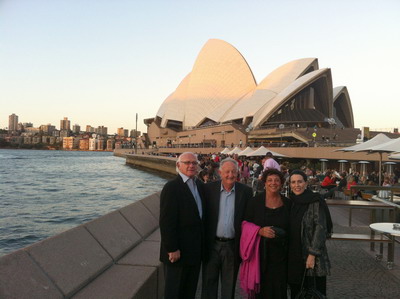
{"points": [[182, 231], [225, 205]]}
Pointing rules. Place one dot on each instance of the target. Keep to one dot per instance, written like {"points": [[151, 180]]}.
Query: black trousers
{"points": [[320, 285], [221, 264], [181, 281]]}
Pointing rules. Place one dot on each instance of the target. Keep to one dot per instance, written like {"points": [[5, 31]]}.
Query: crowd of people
{"points": [[332, 181], [210, 218]]}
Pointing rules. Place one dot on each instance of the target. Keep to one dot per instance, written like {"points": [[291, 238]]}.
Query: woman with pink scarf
{"points": [[270, 211]]}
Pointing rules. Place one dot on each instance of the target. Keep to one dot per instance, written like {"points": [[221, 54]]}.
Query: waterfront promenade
{"points": [[355, 272]]}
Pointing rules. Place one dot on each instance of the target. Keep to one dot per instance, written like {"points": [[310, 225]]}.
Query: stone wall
{"points": [[114, 256], [159, 163]]}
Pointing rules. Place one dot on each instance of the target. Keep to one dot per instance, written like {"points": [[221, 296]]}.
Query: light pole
{"points": [[136, 135]]}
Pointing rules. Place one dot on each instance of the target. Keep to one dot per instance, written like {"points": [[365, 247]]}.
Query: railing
{"points": [[392, 192]]}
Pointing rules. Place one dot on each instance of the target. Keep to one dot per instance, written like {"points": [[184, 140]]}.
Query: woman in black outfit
{"points": [[308, 231], [271, 211]]}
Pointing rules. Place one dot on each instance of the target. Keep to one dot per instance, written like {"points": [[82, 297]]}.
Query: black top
{"points": [[272, 251]]}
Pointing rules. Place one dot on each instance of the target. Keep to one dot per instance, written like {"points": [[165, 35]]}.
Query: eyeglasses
{"points": [[189, 162]]}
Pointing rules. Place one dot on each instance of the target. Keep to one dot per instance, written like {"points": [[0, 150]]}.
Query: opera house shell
{"points": [[221, 89]]}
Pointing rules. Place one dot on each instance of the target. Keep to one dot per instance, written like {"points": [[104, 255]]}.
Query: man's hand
{"points": [[174, 256]]}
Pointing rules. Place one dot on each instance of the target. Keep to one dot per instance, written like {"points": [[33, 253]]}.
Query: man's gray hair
{"points": [[229, 160], [179, 159]]}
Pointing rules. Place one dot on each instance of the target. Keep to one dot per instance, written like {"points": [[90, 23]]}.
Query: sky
{"points": [[100, 62]]}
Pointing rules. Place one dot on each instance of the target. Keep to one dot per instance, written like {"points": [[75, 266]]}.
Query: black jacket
{"points": [[180, 223]]}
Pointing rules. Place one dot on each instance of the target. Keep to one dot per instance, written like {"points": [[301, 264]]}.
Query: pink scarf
{"points": [[249, 251]]}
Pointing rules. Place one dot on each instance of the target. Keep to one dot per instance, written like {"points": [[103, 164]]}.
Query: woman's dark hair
{"points": [[270, 172], [203, 173], [299, 172]]}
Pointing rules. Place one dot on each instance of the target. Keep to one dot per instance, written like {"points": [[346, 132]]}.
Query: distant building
{"points": [[122, 132], [32, 131], [110, 144], [64, 133], [101, 130], [68, 142], [101, 144], [90, 129], [56, 133], [76, 129], [92, 144], [134, 133], [13, 123], [27, 140], [47, 129], [84, 144], [17, 139], [65, 124], [219, 103]]}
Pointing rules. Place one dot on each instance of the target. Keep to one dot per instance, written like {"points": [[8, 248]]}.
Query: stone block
{"points": [[122, 281], [152, 203], [155, 236], [71, 259], [21, 278], [147, 253], [114, 233], [140, 218]]}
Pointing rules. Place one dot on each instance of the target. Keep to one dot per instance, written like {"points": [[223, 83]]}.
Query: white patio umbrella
{"points": [[225, 151], [246, 151], [394, 156], [391, 146], [262, 151], [378, 139], [236, 150]]}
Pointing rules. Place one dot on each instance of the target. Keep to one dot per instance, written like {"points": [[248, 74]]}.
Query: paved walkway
{"points": [[355, 272]]}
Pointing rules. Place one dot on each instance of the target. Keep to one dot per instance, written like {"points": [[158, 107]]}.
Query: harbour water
{"points": [[43, 193]]}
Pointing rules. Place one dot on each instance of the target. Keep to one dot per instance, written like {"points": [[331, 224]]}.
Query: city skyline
{"points": [[105, 62], [69, 127]]}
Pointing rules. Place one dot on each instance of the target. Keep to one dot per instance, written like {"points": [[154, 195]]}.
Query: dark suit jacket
{"points": [[212, 198], [180, 223]]}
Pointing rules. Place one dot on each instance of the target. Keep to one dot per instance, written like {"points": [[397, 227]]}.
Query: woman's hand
{"points": [[267, 232], [310, 263]]}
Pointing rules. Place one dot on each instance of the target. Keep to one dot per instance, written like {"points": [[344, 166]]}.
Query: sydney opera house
{"points": [[219, 103]]}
